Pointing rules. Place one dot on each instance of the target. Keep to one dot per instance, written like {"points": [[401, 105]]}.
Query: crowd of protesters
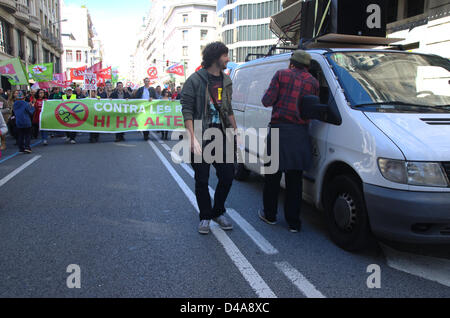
{"points": [[20, 111]]}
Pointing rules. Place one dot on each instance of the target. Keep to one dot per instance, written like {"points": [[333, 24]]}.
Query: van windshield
{"points": [[394, 81]]}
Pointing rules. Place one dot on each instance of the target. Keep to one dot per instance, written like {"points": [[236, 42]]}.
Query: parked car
{"points": [[381, 145]]}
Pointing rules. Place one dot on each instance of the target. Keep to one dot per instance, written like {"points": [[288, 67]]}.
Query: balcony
{"points": [[35, 24], [22, 13], [9, 5]]}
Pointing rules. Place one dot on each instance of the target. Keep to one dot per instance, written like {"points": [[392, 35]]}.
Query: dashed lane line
{"points": [[305, 287], [430, 268], [297, 279], [255, 280], [18, 170], [254, 235]]}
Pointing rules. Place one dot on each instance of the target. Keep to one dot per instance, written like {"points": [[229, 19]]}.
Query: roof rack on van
{"points": [[270, 52]]}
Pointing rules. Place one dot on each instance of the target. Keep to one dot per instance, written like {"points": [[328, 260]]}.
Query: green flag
{"points": [[14, 70], [41, 72]]}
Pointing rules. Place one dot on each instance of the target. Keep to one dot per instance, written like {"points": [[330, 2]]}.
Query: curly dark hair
{"points": [[212, 52]]}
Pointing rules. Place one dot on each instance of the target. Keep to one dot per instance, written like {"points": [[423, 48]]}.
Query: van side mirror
{"points": [[311, 108]]}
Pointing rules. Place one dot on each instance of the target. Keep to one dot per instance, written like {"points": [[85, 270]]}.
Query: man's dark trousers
{"points": [[225, 174], [24, 138], [292, 204]]}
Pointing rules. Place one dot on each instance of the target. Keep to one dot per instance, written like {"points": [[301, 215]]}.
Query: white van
{"points": [[382, 147]]}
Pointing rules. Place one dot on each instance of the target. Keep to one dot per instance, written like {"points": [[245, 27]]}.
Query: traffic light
{"points": [[167, 63]]}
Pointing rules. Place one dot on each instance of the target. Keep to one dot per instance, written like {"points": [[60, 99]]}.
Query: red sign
{"points": [[78, 73], [152, 73], [105, 73], [67, 114]]}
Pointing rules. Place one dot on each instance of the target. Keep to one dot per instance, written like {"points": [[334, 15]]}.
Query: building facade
{"points": [[244, 26], [81, 47], [424, 24], [174, 32], [30, 29]]}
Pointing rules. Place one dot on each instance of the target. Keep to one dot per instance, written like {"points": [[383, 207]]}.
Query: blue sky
{"points": [[116, 23]]}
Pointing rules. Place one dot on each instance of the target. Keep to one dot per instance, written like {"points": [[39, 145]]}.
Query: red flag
{"points": [[78, 73], [95, 68], [105, 73], [177, 69], [7, 69]]}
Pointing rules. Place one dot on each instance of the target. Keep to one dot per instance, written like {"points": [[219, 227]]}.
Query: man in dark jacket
{"points": [[295, 155], [148, 93], [120, 93], [206, 99]]}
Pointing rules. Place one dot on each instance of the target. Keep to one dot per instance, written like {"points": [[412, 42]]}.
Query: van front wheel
{"points": [[346, 214]]}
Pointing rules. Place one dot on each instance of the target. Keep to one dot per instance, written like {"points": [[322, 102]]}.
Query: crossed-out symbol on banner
{"points": [[67, 114]]}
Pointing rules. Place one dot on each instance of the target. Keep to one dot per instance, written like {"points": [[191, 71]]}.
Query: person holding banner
{"points": [[79, 93], [148, 93], [206, 99], [70, 96], [165, 96], [120, 93], [38, 102]]}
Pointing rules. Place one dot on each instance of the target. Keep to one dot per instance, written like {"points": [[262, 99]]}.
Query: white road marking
{"points": [[254, 235], [247, 270], [18, 170], [305, 287], [431, 268]]}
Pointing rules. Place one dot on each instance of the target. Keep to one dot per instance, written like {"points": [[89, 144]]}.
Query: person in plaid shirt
{"points": [[295, 155]]}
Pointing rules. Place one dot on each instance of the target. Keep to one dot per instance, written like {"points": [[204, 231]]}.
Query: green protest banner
{"points": [[41, 72], [111, 116], [14, 70]]}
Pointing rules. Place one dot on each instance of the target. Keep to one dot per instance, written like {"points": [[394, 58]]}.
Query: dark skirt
{"points": [[295, 151]]}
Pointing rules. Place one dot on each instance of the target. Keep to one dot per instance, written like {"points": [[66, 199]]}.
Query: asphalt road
{"points": [[124, 213]]}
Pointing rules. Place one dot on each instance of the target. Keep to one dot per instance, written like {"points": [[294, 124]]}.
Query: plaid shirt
{"points": [[284, 90]]}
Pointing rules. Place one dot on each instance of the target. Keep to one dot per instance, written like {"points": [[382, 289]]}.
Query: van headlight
{"points": [[428, 174]]}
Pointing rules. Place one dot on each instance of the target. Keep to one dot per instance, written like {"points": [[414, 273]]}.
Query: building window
{"points": [[5, 46], [414, 7], [78, 56], [20, 46], [185, 18], [204, 18], [185, 51], [185, 35], [31, 51], [203, 34], [69, 56], [46, 56]]}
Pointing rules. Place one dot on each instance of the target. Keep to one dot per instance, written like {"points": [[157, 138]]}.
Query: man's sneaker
{"points": [[45, 143], [203, 227], [263, 217], [28, 151], [224, 223], [72, 141]]}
